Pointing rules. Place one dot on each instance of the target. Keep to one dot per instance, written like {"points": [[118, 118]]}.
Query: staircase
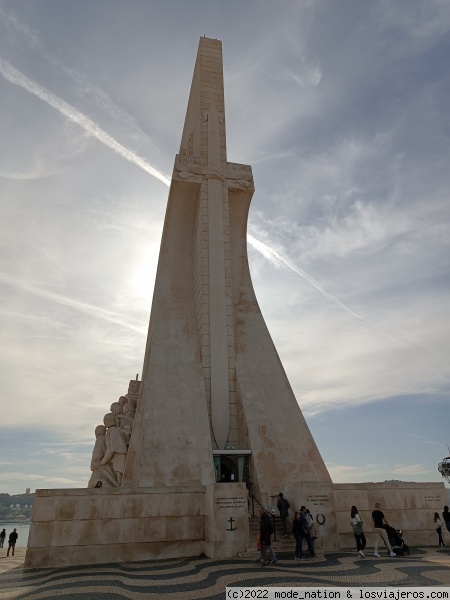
{"points": [[282, 545]]}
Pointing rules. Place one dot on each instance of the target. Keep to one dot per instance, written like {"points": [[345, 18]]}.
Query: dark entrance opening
{"points": [[232, 467]]}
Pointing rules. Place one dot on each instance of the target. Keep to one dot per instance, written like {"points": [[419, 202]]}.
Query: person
{"points": [[446, 517], [12, 542], [311, 528], [265, 530], [272, 555], [438, 525], [357, 526], [2, 538], [311, 525], [300, 532], [283, 506], [379, 522]]}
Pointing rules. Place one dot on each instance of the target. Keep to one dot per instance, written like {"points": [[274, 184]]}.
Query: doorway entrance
{"points": [[232, 466]]}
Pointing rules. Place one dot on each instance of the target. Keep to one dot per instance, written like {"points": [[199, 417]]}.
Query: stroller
{"points": [[395, 537]]}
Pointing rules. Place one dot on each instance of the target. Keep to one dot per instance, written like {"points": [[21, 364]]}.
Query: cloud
{"points": [[14, 76], [410, 470], [425, 21], [303, 72], [48, 480], [373, 472], [276, 258], [93, 311]]}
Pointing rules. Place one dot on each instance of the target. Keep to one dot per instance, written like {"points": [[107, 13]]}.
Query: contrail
{"points": [[280, 261], [14, 76], [93, 311], [82, 86]]}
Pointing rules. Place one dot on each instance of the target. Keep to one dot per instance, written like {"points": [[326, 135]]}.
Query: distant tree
{"points": [[11, 506]]}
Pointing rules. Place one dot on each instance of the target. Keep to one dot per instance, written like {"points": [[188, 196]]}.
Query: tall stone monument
{"points": [[214, 418], [212, 380]]}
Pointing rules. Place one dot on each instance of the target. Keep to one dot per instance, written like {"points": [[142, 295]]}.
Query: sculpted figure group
{"points": [[111, 444]]}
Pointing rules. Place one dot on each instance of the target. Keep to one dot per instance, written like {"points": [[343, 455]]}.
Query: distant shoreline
{"points": [[25, 521]]}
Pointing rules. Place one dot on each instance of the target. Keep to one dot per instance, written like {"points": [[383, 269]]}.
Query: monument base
{"points": [[408, 506], [94, 526], [102, 525]]}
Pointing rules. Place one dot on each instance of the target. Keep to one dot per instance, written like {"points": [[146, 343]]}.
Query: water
{"points": [[23, 529]]}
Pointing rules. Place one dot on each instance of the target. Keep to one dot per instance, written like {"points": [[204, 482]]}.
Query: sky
{"points": [[341, 108]]}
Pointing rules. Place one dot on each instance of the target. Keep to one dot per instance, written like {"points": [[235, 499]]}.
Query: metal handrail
{"points": [[253, 498], [251, 487]]}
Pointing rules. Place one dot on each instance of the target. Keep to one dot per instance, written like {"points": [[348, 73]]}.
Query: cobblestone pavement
{"points": [[195, 578]]}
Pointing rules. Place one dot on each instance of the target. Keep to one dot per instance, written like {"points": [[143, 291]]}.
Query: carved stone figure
{"points": [[127, 419], [116, 446], [117, 410], [100, 473], [129, 410]]}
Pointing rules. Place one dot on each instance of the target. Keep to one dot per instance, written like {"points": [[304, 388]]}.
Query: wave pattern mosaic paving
{"points": [[194, 578]]}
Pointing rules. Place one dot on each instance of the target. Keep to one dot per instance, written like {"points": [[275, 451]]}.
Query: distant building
{"points": [[28, 491]]}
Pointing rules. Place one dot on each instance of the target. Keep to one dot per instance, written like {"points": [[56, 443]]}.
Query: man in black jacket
{"points": [[283, 506], [12, 542]]}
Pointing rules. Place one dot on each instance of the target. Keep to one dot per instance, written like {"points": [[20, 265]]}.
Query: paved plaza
{"points": [[193, 578]]}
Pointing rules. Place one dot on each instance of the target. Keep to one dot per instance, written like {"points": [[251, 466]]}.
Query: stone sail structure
{"points": [[212, 379], [214, 423]]}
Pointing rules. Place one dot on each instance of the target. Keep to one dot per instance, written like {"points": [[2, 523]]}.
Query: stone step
{"points": [[281, 545]]}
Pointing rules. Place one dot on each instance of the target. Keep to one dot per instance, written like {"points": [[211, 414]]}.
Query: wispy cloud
{"points": [[14, 76], [410, 470], [25, 317], [49, 480], [376, 472], [93, 311]]}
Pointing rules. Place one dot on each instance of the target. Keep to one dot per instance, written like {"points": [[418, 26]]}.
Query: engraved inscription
{"points": [[231, 502], [318, 499]]}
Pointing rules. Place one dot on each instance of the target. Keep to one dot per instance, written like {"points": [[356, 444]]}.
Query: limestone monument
{"points": [[214, 420]]}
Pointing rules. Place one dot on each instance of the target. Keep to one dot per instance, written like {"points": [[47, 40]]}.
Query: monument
{"points": [[214, 420]]}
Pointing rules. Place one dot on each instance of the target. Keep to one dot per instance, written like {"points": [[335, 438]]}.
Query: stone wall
{"points": [[407, 506], [94, 526]]}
